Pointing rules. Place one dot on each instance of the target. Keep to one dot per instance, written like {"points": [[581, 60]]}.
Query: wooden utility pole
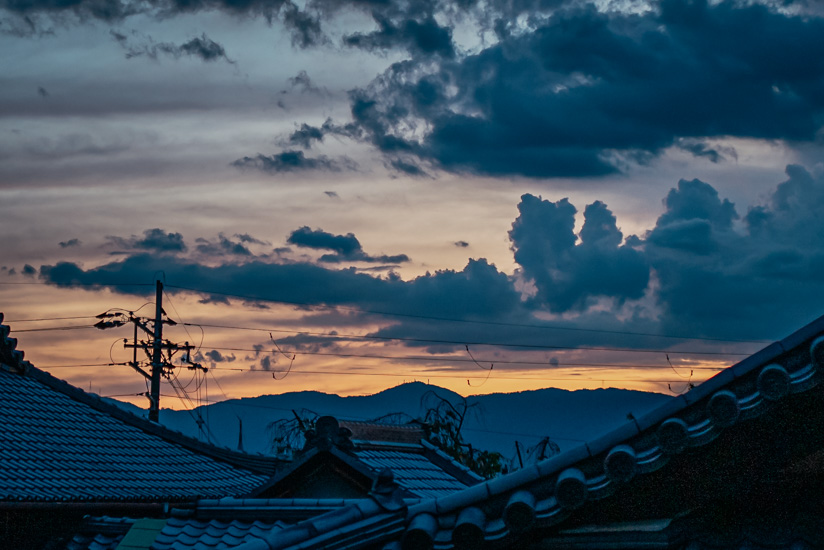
{"points": [[157, 356], [160, 365]]}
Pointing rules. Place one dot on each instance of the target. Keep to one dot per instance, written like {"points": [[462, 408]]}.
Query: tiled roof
{"points": [[100, 533], [419, 469], [549, 494], [192, 534], [58, 443], [387, 433]]}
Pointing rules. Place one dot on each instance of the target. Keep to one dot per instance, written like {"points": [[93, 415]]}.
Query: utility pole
{"points": [[161, 366], [157, 365]]}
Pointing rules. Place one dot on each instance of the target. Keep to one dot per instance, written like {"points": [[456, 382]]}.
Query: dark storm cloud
{"points": [[346, 248], [155, 239], [478, 290], [570, 275], [29, 271], [704, 269], [202, 47], [719, 278], [293, 161], [585, 89]]}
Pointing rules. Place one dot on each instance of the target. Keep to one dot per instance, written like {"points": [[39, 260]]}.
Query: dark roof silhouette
{"points": [[61, 444], [743, 435]]}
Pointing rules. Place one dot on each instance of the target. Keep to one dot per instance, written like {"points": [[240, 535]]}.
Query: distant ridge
{"points": [[500, 419]]}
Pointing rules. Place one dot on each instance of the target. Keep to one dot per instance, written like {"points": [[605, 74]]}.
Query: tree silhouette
{"points": [[443, 422]]}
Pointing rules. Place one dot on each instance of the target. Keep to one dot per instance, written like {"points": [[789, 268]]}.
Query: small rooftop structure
{"points": [[335, 464]]}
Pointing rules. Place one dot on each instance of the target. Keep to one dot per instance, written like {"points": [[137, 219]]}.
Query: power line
{"points": [[464, 343], [454, 320], [62, 285], [560, 365], [459, 377], [47, 319], [80, 366], [75, 327], [442, 358]]}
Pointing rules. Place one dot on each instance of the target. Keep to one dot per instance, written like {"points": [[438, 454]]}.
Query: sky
{"points": [[344, 195]]}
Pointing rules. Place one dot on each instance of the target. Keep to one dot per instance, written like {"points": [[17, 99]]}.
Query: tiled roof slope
{"points": [[100, 533], [368, 432], [192, 534], [546, 495], [58, 443], [421, 469]]}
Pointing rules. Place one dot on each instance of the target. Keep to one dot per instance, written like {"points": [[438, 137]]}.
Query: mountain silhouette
{"points": [[495, 421]]}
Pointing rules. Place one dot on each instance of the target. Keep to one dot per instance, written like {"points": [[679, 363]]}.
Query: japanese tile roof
{"points": [[207, 524], [58, 443], [421, 469], [100, 533], [193, 534], [369, 432], [775, 388]]}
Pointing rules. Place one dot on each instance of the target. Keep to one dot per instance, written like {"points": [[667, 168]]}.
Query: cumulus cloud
{"points": [[568, 274], [345, 247], [715, 277], [706, 268], [305, 283]]}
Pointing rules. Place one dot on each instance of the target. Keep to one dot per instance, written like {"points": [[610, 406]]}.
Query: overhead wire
{"points": [[471, 343], [457, 377], [48, 319], [434, 358], [73, 327], [456, 320]]}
